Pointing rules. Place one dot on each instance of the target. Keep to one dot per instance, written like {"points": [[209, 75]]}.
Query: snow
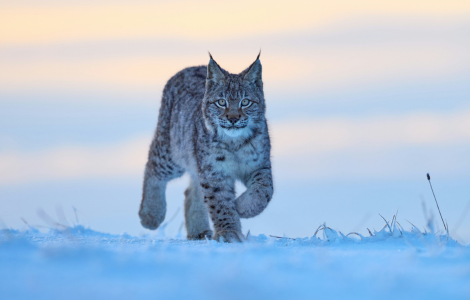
{"points": [[80, 263]]}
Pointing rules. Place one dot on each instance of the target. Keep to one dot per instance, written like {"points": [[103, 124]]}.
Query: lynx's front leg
{"points": [[219, 196], [259, 190]]}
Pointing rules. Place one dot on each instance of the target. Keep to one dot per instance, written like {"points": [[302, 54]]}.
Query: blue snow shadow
{"points": [[80, 263]]}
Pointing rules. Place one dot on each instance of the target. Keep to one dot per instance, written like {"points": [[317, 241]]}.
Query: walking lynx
{"points": [[212, 125]]}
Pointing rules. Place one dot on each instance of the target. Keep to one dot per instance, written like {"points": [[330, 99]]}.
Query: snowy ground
{"points": [[79, 263]]}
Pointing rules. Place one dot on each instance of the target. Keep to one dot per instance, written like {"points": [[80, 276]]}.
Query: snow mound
{"points": [[80, 263]]}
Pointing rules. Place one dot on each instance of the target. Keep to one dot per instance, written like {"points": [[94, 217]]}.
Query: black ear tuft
{"points": [[253, 73], [214, 72]]}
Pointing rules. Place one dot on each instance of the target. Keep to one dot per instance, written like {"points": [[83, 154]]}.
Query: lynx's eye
{"points": [[245, 103], [221, 103]]}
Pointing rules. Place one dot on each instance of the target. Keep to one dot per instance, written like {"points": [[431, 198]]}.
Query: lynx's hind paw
{"points": [[229, 236], [201, 236]]}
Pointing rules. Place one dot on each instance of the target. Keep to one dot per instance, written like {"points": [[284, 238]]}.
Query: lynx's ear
{"points": [[214, 73], [253, 73]]}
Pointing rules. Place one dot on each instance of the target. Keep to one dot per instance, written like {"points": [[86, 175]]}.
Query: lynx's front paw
{"points": [[201, 236], [149, 220], [250, 205], [229, 236]]}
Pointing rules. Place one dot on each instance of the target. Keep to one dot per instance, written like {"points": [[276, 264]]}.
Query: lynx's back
{"points": [[181, 103], [182, 94], [186, 88]]}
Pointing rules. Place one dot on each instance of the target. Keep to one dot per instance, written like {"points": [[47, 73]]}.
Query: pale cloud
{"points": [[385, 147], [312, 69], [311, 149], [129, 73], [45, 23], [308, 46], [109, 161], [310, 137]]}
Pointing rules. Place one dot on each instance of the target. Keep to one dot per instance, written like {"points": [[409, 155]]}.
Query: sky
{"points": [[363, 99]]}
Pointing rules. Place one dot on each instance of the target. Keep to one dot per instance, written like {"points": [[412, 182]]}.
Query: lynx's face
{"points": [[233, 104]]}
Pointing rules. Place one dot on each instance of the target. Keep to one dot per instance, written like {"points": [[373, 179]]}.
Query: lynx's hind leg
{"points": [[195, 213], [159, 170]]}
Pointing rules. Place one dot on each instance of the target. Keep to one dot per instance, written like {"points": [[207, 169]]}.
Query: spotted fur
{"points": [[216, 144]]}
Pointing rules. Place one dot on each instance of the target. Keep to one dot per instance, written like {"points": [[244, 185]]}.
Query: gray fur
{"points": [[216, 145]]}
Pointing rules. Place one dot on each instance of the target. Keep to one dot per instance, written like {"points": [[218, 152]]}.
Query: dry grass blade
{"points": [[362, 222], [76, 215], [61, 215], [389, 228], [172, 217], [49, 220], [399, 226], [5, 229], [24, 221], [429, 179], [412, 225], [355, 234], [447, 231], [181, 227], [461, 218], [27, 224], [318, 229]]}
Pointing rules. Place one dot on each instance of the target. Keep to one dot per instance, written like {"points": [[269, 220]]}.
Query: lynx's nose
{"points": [[233, 120]]}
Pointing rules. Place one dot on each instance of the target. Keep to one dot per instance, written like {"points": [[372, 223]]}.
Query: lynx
{"points": [[211, 125]]}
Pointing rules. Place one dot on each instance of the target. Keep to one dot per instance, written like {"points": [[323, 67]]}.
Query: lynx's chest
{"points": [[238, 162]]}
